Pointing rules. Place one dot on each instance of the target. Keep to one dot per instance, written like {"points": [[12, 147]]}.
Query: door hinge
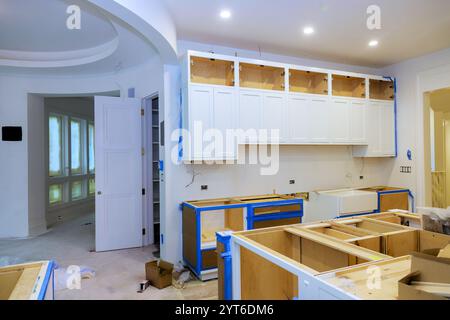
{"points": [[143, 192], [143, 152], [144, 232], [142, 112]]}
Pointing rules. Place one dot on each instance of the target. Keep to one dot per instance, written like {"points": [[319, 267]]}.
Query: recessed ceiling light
{"points": [[373, 43], [308, 30], [225, 14]]}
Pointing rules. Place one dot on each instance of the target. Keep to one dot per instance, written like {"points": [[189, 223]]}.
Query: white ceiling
{"points": [[34, 36], [410, 28]]}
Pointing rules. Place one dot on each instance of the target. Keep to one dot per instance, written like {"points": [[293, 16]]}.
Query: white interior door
{"points": [[118, 201]]}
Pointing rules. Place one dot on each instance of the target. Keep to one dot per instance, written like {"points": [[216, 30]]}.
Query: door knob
{"points": [[99, 193]]}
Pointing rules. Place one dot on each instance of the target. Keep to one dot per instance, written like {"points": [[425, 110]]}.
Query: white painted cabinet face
{"points": [[387, 128], [373, 129], [273, 110], [320, 120], [340, 120], [201, 99], [224, 118], [250, 111], [298, 119], [358, 121]]}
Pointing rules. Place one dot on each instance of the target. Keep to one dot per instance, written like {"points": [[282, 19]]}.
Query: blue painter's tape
{"points": [[225, 239], [46, 281]]}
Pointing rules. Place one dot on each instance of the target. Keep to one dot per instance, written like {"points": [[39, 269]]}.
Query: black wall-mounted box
{"points": [[11, 133]]}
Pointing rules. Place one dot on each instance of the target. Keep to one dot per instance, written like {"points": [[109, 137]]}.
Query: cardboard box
{"points": [[424, 268], [159, 273]]}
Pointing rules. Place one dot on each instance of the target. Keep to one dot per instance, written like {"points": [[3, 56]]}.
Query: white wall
{"points": [[313, 168], [14, 89], [414, 77], [36, 166]]}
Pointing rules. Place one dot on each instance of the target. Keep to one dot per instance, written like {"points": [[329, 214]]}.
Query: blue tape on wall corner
{"points": [[180, 125], [132, 93]]}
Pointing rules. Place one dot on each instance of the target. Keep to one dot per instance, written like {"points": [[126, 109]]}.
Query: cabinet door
{"points": [[358, 122], [272, 117], [373, 129], [339, 121], [224, 115], [387, 129], [319, 120], [200, 118], [298, 119], [250, 105]]}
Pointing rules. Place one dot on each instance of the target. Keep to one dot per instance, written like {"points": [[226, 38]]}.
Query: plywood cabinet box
{"points": [[308, 106], [29, 281], [203, 219], [323, 260]]}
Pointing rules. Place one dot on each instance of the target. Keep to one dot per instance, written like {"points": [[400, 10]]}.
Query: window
{"points": [[55, 146], [75, 143], [91, 148], [77, 190], [71, 159], [91, 186], [55, 194]]}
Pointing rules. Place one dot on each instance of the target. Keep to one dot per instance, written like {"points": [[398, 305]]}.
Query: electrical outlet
{"points": [[204, 187], [405, 169], [291, 181]]}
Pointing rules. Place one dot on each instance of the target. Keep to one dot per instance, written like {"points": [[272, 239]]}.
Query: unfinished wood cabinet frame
{"points": [[382, 89], [212, 71], [268, 244], [260, 76], [199, 241], [348, 86], [302, 81], [29, 281]]}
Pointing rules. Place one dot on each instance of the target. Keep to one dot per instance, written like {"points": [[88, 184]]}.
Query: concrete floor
{"points": [[118, 273]]}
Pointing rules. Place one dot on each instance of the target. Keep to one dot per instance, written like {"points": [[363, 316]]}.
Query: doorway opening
{"points": [[153, 138], [438, 103]]}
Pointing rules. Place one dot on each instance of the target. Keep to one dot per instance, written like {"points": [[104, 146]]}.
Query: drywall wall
{"points": [[14, 157], [312, 167], [414, 77], [36, 165]]}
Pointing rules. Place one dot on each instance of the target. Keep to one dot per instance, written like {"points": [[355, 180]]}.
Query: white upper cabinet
{"points": [[299, 109], [358, 113], [305, 105], [224, 122], [273, 118], [250, 114], [340, 121], [320, 120]]}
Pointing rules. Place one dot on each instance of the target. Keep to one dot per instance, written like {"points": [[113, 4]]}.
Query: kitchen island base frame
{"points": [[230, 214], [301, 261]]}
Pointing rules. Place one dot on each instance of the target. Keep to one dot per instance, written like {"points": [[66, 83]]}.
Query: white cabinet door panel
{"points": [[272, 117], [373, 129], [319, 118], [299, 119], [250, 110], [340, 121], [358, 121], [224, 120], [387, 129], [200, 117]]}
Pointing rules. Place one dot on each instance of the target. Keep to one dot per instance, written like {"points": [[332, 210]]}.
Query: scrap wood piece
{"points": [[441, 289], [445, 253]]}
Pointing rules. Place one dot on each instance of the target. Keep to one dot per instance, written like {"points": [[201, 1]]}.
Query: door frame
{"points": [[431, 80], [147, 168]]}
